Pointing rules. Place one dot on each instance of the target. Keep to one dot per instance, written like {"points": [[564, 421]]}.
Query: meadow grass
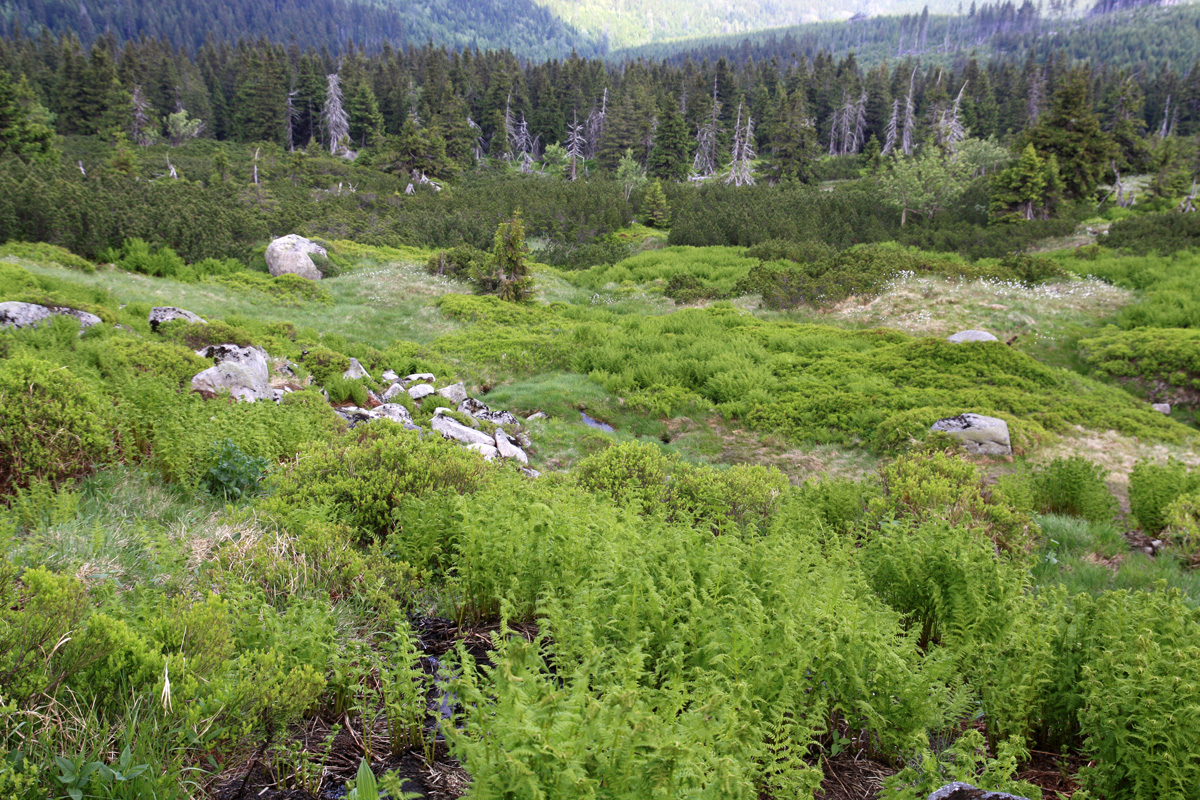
{"points": [[376, 304]]}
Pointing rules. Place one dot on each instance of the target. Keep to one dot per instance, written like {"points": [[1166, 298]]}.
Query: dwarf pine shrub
{"points": [[54, 426]]}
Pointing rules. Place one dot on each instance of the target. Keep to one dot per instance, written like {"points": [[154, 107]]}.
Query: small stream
{"points": [[597, 424]]}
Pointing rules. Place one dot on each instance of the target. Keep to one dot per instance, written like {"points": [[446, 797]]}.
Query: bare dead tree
{"points": [[705, 162], [1188, 205], [910, 117], [1037, 95], [1122, 195], [576, 144], [950, 130], [889, 141], [594, 130], [337, 121], [478, 146], [293, 116], [141, 129], [1162, 130], [742, 153]]}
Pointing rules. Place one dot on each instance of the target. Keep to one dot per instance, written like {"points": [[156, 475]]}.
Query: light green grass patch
{"points": [[719, 268]]}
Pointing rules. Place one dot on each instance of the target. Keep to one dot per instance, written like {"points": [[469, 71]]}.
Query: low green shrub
{"points": [[1073, 486], [324, 364], [43, 253], [629, 473], [1181, 531], [937, 486], [54, 426], [456, 262], [1163, 362], [363, 476], [284, 289], [342, 390], [231, 473], [1162, 233], [1152, 489]]}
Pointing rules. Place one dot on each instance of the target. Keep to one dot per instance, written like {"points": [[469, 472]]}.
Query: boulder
{"points": [[508, 449], [455, 393], [1162, 408], [478, 410], [987, 436], [488, 453], [356, 371], [241, 371], [21, 315], [420, 391], [356, 416], [971, 336], [453, 429], [389, 376], [530, 473], [534, 417], [418, 377], [965, 791], [289, 255], [395, 412], [392, 392], [161, 314]]}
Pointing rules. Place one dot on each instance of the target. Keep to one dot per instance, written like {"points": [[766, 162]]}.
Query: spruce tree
{"points": [[1027, 190], [1071, 132], [23, 132], [669, 158]]}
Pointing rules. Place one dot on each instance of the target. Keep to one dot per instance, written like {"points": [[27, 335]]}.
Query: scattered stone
{"points": [[474, 408], [389, 376], [489, 453], [419, 377], [965, 791], [289, 255], [1162, 408], [509, 450], [392, 392], [356, 416], [980, 435], [420, 391], [534, 417], [356, 371], [241, 371], [971, 336], [373, 400], [21, 315], [163, 314], [395, 412], [1157, 544], [529, 472], [453, 429], [455, 393]]}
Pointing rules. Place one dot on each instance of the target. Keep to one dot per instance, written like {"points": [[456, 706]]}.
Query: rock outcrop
{"points": [[971, 336], [356, 371], [163, 314], [980, 435], [289, 255], [965, 791], [22, 315], [241, 371]]}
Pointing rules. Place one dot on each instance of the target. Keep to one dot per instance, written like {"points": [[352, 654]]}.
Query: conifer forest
{"points": [[613, 399]]}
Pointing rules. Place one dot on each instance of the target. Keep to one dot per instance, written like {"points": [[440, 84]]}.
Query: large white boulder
{"points": [[21, 315], [241, 371], [453, 429], [971, 336], [162, 314], [985, 436], [289, 255]]}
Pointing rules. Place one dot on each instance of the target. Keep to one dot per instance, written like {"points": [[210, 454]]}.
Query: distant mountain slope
{"points": [[627, 23], [1149, 37], [519, 25]]}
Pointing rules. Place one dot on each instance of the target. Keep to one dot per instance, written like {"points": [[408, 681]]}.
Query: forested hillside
{"points": [[1147, 37], [626, 23], [521, 26]]}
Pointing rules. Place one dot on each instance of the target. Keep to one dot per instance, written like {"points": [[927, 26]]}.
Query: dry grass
{"points": [[1116, 454], [926, 306]]}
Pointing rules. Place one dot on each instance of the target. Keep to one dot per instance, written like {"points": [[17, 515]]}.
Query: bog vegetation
{"points": [[202, 597]]}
